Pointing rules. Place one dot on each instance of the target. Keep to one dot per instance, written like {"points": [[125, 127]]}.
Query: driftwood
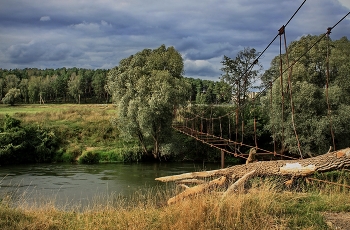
{"points": [[294, 168]]}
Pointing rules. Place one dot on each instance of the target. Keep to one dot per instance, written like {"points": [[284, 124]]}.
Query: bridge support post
{"points": [[222, 159]]}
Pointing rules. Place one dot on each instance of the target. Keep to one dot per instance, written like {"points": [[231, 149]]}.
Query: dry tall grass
{"points": [[261, 207]]}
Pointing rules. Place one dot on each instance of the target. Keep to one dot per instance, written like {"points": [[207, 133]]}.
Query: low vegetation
{"points": [[265, 204], [79, 130], [81, 133]]}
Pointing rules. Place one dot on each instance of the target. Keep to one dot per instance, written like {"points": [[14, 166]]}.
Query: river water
{"points": [[75, 184]]}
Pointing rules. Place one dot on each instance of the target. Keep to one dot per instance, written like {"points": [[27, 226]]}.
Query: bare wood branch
{"points": [[238, 184], [191, 181], [202, 174], [197, 189]]}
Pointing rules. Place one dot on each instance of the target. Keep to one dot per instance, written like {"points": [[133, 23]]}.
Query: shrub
{"points": [[11, 97], [26, 144], [89, 157]]}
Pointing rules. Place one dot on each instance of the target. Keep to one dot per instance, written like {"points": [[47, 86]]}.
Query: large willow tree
{"points": [[147, 87], [310, 108]]}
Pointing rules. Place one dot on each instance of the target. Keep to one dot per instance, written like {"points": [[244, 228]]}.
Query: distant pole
{"points": [[222, 159]]}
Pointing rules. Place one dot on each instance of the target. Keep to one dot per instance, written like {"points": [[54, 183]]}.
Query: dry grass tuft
{"points": [[261, 207]]}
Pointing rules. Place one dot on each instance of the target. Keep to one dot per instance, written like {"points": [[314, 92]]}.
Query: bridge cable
{"points": [[236, 126], [251, 67], [281, 31], [327, 85], [220, 127], [256, 60], [273, 125], [229, 127], [298, 59], [255, 138], [291, 95]]}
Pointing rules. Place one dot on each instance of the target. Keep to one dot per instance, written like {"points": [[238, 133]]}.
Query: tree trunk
{"points": [[303, 167], [142, 143]]}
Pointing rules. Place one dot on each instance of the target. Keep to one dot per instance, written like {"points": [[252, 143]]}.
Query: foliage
{"points": [[209, 92], [65, 85], [27, 144], [74, 87], [147, 87], [89, 157], [11, 96], [306, 89], [55, 85], [240, 75]]}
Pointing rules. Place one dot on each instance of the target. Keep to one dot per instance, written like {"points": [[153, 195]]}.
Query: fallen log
{"points": [[302, 167]]}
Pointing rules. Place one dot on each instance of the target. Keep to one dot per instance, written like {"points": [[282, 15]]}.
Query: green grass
{"points": [[84, 129], [32, 108]]}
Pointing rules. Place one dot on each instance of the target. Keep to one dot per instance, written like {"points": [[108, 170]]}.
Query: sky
{"points": [[97, 34]]}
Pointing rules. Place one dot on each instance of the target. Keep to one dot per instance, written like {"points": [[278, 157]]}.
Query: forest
{"points": [[301, 109], [82, 86]]}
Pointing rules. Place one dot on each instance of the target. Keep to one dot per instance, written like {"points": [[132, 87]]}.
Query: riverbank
{"points": [[89, 134], [263, 206]]}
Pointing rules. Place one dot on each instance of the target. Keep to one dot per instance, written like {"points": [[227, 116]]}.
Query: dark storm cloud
{"points": [[40, 51], [99, 33]]}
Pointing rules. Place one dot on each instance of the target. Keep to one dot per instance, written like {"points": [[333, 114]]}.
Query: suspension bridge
{"points": [[226, 132]]}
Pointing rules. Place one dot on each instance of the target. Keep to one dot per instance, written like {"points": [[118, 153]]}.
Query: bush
{"points": [[89, 157], [11, 97], [26, 144]]}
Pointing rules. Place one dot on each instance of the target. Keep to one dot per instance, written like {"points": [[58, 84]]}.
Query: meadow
{"points": [[87, 131]]}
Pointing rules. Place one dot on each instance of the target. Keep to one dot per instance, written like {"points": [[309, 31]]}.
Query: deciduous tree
{"points": [[11, 96], [240, 74], [147, 87]]}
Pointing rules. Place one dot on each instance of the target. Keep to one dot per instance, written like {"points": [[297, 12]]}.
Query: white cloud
{"points": [[92, 27], [45, 18], [201, 68], [345, 3]]}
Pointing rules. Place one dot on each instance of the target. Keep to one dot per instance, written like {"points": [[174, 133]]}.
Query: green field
{"points": [[86, 130], [39, 108]]}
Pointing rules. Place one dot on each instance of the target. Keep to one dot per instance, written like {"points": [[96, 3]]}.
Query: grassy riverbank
{"points": [[263, 206], [86, 131], [88, 134]]}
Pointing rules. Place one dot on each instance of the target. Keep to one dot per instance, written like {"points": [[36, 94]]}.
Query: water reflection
{"points": [[79, 184]]}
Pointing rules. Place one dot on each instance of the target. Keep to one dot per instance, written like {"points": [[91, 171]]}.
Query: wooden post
{"points": [[222, 159]]}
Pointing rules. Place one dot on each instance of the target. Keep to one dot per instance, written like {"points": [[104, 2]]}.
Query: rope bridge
{"points": [[216, 132]]}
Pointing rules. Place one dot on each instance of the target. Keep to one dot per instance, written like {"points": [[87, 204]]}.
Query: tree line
{"points": [[78, 85], [63, 85]]}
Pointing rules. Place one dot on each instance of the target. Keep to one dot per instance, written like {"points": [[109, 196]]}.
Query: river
{"points": [[79, 185]]}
